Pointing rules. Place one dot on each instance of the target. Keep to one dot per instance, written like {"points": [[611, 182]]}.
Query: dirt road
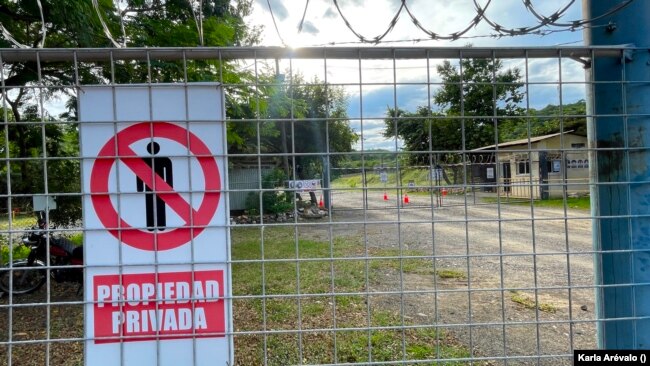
{"points": [[527, 293]]}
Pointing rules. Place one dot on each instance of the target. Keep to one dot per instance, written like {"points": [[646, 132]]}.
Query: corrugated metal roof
{"points": [[523, 141]]}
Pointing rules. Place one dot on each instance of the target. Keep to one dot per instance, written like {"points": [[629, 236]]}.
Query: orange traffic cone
{"points": [[406, 198], [385, 197], [321, 204]]}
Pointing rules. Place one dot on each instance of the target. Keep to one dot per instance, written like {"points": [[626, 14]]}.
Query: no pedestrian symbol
{"points": [[154, 177]]}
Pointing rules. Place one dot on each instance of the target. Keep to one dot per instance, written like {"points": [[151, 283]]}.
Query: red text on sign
{"points": [[171, 304]]}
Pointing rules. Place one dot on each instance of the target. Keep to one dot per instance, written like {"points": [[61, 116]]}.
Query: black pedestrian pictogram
{"points": [[161, 166]]}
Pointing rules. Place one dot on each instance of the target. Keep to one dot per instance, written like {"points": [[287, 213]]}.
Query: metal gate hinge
{"points": [[586, 62]]}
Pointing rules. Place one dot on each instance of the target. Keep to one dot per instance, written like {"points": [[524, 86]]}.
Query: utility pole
{"points": [[619, 100]]}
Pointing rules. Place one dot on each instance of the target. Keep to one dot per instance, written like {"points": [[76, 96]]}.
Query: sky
{"points": [[323, 24], [368, 100]]}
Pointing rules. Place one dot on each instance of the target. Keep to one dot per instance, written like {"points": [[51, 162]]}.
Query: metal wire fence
{"points": [[442, 229]]}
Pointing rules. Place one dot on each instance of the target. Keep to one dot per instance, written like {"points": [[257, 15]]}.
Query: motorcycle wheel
{"points": [[25, 280]]}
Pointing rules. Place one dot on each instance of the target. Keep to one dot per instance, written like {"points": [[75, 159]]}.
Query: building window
{"points": [[523, 167], [580, 145]]}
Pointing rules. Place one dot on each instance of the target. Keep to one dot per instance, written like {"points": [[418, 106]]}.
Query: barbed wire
{"points": [[304, 14], [541, 28], [107, 32], [540, 33], [122, 27], [9, 37], [375, 39], [275, 24], [521, 30], [198, 19], [575, 23], [453, 36], [41, 43], [481, 15]]}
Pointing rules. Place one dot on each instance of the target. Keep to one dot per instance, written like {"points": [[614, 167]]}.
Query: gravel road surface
{"points": [[504, 250]]}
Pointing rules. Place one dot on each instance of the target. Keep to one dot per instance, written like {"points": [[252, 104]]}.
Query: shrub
{"points": [[77, 238], [276, 201], [19, 251]]}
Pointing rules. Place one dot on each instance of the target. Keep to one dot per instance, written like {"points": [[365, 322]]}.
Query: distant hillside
{"points": [[371, 158]]}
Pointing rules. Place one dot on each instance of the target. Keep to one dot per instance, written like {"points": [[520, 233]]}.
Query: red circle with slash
{"points": [[118, 147]]}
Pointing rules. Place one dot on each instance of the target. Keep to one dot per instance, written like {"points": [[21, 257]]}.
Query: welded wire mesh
{"points": [[439, 227]]}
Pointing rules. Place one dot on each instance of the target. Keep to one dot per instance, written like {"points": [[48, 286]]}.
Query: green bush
{"points": [[77, 238], [19, 252], [276, 201]]}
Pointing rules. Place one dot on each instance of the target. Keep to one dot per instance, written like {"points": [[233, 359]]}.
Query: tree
{"points": [[469, 101], [79, 24], [310, 118], [548, 120], [422, 131], [483, 91], [68, 24]]}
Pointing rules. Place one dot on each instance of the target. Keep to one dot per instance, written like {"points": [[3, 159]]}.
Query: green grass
{"points": [[20, 221], [421, 266], [19, 251], [280, 278], [529, 303], [327, 273], [450, 273], [580, 203]]}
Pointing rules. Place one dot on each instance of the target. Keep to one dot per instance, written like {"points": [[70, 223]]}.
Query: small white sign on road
{"points": [[156, 245]]}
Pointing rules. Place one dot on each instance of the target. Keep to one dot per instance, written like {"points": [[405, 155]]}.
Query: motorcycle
{"points": [[25, 276]]}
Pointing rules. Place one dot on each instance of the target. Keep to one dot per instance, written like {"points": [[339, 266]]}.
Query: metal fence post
{"points": [[619, 129]]}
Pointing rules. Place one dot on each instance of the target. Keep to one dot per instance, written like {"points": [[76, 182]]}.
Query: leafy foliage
{"points": [[151, 23], [33, 133], [472, 106], [303, 118], [468, 102], [482, 91], [272, 201], [18, 252]]}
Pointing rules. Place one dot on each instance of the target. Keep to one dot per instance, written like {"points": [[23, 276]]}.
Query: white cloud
{"points": [[279, 10], [330, 13], [309, 27]]}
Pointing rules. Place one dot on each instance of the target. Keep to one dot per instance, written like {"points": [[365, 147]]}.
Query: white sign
{"points": [[42, 202], [490, 173], [383, 177], [153, 163], [308, 185]]}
